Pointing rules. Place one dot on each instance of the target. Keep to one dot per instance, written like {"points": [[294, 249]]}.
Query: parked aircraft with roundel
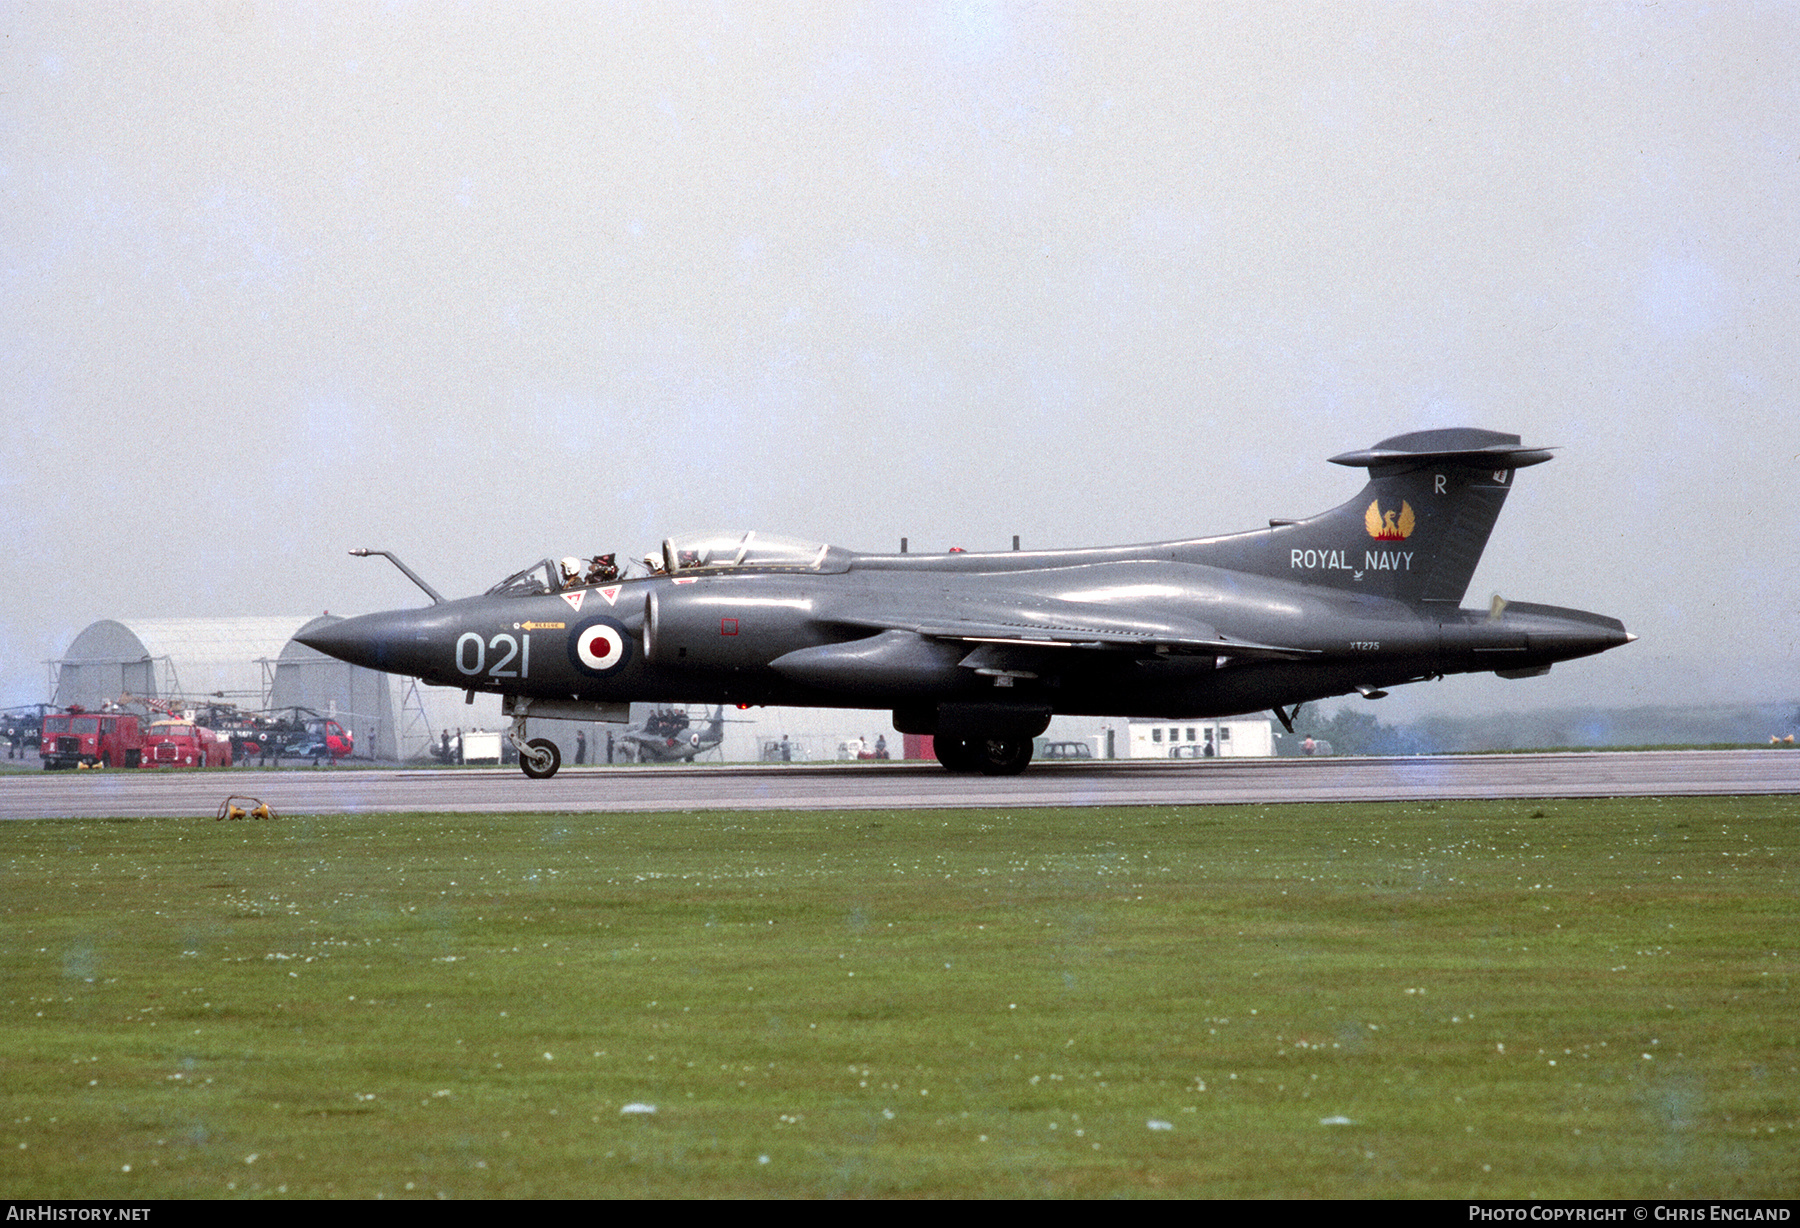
{"points": [[669, 735], [981, 650]]}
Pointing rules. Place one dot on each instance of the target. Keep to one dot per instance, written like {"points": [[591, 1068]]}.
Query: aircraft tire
{"points": [[545, 747], [956, 754], [1002, 756]]}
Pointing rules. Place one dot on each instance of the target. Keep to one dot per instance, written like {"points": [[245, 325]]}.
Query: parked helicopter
{"points": [[668, 735]]}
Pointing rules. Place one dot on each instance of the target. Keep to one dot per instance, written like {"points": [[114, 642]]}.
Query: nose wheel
{"points": [[538, 758]]}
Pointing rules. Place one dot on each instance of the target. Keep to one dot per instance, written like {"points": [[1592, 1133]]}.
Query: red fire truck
{"points": [[175, 742], [79, 738]]}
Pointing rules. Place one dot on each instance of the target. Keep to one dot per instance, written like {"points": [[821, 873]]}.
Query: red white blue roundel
{"points": [[599, 645]]}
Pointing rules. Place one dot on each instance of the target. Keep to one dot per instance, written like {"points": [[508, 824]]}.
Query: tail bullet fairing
{"points": [[981, 649]]}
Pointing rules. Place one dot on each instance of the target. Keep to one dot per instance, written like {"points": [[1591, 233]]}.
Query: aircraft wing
{"points": [[1195, 638]]}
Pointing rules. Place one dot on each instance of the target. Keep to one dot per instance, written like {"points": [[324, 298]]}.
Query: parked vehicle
{"points": [[323, 740], [22, 730], [287, 733], [254, 735], [175, 742], [79, 738]]}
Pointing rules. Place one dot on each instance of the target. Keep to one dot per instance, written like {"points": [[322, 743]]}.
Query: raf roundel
{"points": [[599, 645]]}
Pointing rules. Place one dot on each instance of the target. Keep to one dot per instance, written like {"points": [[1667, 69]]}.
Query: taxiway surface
{"points": [[126, 794]]}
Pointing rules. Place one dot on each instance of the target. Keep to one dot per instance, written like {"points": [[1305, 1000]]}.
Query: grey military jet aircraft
{"points": [[981, 650]]}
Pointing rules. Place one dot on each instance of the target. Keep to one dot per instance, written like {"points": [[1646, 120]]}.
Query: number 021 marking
{"points": [[514, 648]]}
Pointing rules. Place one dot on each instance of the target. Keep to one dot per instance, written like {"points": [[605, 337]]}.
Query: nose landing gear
{"points": [[539, 758]]}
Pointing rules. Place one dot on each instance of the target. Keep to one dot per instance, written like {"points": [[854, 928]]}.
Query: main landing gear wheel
{"points": [[989, 756], [954, 753], [1001, 756], [540, 759]]}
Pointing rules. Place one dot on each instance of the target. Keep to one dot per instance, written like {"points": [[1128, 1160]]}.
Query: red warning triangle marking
{"points": [[574, 599], [611, 593]]}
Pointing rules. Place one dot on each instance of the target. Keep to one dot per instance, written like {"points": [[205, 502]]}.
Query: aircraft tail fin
{"points": [[1414, 533]]}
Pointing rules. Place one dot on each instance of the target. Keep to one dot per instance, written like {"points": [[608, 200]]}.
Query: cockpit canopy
{"points": [[738, 551], [692, 554], [538, 578]]}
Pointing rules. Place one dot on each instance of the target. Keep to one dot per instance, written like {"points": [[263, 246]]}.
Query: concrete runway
{"points": [[292, 791]]}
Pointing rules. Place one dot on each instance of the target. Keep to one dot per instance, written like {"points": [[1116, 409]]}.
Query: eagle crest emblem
{"points": [[1391, 526]]}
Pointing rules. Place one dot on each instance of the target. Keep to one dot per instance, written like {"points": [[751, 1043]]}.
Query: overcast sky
{"points": [[483, 283]]}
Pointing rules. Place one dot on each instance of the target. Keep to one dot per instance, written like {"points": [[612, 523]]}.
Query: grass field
{"points": [[1463, 999]]}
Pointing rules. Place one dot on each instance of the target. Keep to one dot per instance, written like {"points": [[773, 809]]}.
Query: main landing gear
{"points": [[538, 758], [989, 756]]}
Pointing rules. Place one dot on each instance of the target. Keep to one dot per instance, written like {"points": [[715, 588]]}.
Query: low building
{"points": [[1237, 737]]}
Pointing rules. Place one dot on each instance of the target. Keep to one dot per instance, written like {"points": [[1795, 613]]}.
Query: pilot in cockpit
{"points": [[603, 570], [571, 572]]}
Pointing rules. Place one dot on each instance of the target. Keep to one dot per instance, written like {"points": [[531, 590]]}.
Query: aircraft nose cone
{"points": [[375, 641], [347, 639], [328, 639]]}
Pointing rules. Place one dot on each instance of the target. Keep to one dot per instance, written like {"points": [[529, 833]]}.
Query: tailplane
{"points": [[1416, 531]]}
